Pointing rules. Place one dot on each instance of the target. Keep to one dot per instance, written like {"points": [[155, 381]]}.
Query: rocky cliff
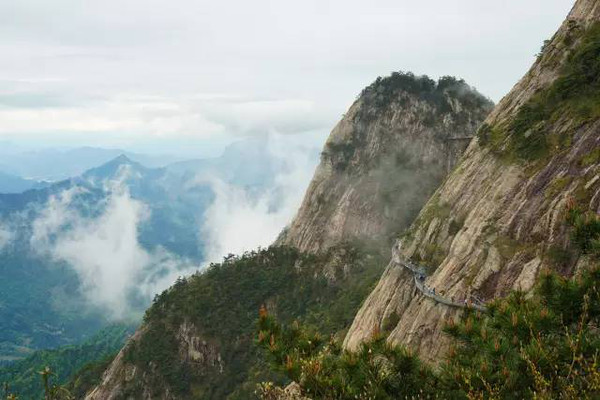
{"points": [[381, 163], [516, 204], [385, 157]]}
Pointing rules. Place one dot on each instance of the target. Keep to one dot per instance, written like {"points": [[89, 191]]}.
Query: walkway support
{"points": [[419, 274]]}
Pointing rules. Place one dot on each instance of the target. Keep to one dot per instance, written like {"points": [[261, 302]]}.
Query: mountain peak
{"points": [[112, 168], [121, 159]]}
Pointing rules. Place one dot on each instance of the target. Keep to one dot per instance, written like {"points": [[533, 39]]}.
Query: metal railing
{"points": [[419, 274]]}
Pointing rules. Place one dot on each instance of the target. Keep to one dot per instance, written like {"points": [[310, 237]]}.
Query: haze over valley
{"points": [[299, 200]]}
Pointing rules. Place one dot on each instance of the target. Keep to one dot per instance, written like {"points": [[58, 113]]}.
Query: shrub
{"points": [[543, 347], [377, 370], [574, 94]]}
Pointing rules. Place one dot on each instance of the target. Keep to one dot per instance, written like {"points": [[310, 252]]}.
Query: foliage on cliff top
{"points": [[377, 370], [385, 90], [544, 347], [574, 95]]}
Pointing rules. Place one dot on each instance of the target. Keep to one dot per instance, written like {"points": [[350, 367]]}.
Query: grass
{"points": [[557, 186]]}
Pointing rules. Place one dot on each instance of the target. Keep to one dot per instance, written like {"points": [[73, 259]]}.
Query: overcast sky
{"points": [[190, 75]]}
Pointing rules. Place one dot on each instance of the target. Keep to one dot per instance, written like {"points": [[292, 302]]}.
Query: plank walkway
{"points": [[419, 274]]}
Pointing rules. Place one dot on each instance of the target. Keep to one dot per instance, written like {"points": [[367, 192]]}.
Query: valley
{"points": [[437, 244]]}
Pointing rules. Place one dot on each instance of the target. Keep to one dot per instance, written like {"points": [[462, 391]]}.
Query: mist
{"points": [[241, 219], [6, 236], [116, 273]]}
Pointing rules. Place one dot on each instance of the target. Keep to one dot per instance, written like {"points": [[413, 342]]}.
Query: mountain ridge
{"points": [[499, 219], [182, 351]]}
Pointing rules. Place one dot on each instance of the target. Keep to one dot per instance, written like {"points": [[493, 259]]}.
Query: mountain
{"points": [[68, 250], [56, 164], [383, 160], [15, 184], [524, 198], [196, 340]]}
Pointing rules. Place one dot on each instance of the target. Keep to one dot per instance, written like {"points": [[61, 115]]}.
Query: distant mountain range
{"points": [[15, 184], [43, 297], [55, 164]]}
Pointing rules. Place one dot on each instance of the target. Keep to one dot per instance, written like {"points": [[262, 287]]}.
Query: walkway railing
{"points": [[419, 273]]}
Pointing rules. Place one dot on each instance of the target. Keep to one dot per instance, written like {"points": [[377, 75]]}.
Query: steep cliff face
{"points": [[384, 159], [379, 166], [197, 338], [125, 379], [507, 211]]}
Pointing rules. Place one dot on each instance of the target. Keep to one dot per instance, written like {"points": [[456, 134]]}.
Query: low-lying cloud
{"points": [[6, 237], [240, 219], [104, 251], [120, 276]]}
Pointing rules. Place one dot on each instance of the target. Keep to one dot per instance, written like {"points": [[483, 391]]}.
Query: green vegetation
{"points": [[456, 224], [64, 362], [40, 307], [324, 291], [559, 257], [434, 209], [431, 256], [574, 94], [544, 347], [591, 158], [326, 371], [557, 186], [386, 90], [340, 154], [585, 230], [88, 377], [50, 391], [399, 88]]}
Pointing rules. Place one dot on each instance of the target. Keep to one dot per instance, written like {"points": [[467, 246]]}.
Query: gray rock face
{"points": [[123, 380], [489, 227], [383, 160]]}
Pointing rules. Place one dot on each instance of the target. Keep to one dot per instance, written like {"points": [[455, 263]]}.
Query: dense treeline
{"points": [[220, 304], [440, 93], [541, 347], [65, 363]]}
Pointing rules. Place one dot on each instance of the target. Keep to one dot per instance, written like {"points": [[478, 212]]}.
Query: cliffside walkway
{"points": [[419, 274]]}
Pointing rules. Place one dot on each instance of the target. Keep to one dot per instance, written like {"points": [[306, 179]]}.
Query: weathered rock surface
{"points": [[293, 391], [488, 228], [384, 159], [124, 380]]}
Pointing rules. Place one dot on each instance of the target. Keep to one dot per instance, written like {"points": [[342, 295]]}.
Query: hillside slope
{"points": [[524, 198], [377, 169], [197, 338], [383, 160]]}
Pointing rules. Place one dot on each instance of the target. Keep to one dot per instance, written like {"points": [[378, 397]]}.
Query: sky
{"points": [[189, 76]]}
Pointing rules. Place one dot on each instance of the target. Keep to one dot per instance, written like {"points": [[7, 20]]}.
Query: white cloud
{"points": [[292, 65], [6, 236], [104, 250], [260, 117], [240, 220], [139, 116]]}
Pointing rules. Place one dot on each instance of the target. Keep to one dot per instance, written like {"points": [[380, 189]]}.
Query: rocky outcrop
{"points": [[125, 380], [384, 159], [499, 219], [293, 391]]}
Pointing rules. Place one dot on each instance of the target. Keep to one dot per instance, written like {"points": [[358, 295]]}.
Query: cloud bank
{"points": [[111, 71], [115, 271], [6, 237], [241, 219]]}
